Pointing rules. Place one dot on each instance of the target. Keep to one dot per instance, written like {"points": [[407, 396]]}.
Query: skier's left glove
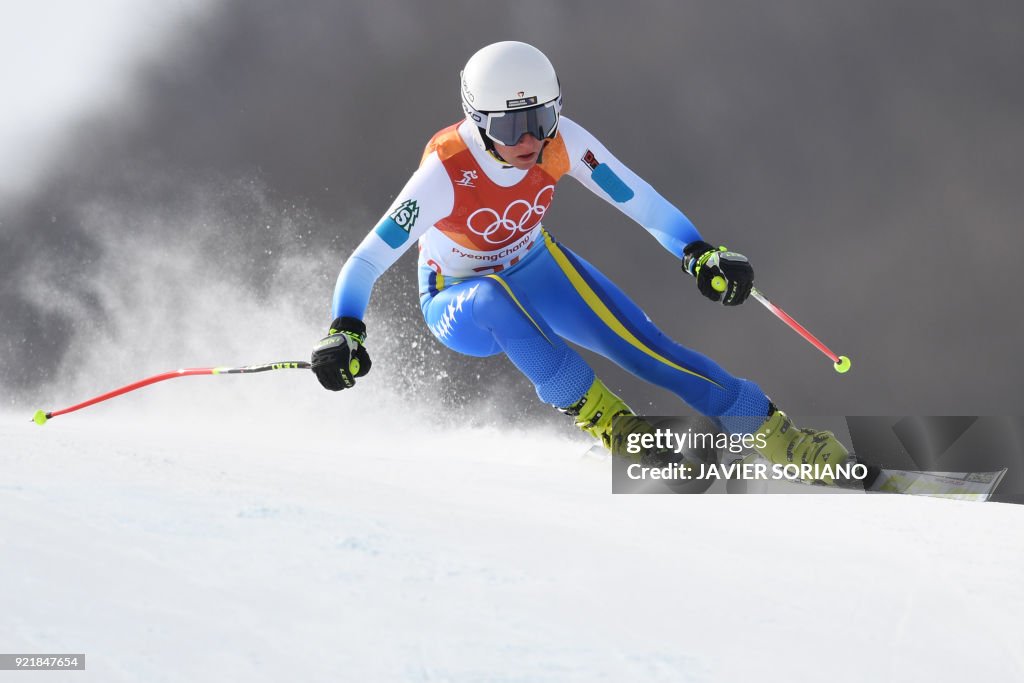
{"points": [[705, 263], [340, 357]]}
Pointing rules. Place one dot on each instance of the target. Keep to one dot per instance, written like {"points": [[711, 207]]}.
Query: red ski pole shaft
{"points": [[840, 363], [42, 416]]}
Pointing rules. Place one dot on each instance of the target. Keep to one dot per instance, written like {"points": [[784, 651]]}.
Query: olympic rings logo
{"points": [[517, 218]]}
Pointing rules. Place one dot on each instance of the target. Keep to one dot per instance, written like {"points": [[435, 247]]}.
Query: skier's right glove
{"points": [[705, 263], [340, 357]]}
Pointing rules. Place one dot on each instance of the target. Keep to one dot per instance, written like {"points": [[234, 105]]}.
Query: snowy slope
{"points": [[172, 547]]}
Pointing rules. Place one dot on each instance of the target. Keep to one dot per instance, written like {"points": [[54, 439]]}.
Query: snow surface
{"points": [[320, 541]]}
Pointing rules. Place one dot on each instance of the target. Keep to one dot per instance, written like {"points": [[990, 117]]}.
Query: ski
{"points": [[971, 486], [977, 486]]}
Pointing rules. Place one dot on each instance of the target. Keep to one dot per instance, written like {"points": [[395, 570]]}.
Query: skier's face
{"points": [[524, 154]]}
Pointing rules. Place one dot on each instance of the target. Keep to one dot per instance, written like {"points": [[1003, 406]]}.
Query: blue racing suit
{"points": [[494, 280]]}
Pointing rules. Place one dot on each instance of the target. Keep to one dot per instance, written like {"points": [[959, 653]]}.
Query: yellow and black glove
{"points": [[735, 276], [340, 357]]}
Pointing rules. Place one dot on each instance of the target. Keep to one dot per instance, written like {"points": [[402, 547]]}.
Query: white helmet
{"points": [[510, 89]]}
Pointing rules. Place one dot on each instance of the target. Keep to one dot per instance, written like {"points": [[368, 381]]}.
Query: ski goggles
{"points": [[508, 127]]}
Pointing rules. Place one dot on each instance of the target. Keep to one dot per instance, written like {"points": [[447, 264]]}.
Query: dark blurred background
{"points": [[866, 156]]}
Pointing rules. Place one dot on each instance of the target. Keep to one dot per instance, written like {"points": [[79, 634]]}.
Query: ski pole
{"points": [[840, 363], [42, 416]]}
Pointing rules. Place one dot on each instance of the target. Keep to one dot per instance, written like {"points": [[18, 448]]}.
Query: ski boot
{"points": [[600, 409], [787, 444], [595, 412]]}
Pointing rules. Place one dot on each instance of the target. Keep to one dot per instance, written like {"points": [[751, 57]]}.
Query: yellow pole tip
{"points": [[842, 365], [40, 417]]}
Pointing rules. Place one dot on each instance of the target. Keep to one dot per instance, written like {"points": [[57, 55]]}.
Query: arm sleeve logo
{"points": [[406, 214], [607, 179], [394, 229]]}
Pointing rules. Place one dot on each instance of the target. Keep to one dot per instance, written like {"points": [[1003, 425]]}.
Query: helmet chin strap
{"points": [[497, 157], [488, 146]]}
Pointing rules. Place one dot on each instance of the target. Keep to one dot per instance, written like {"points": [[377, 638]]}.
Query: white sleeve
{"points": [[599, 171], [426, 198]]}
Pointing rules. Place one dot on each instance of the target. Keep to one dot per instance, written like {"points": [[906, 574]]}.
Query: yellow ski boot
{"points": [[595, 412], [787, 444]]}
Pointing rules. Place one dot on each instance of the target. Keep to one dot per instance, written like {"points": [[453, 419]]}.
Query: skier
{"points": [[493, 279]]}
